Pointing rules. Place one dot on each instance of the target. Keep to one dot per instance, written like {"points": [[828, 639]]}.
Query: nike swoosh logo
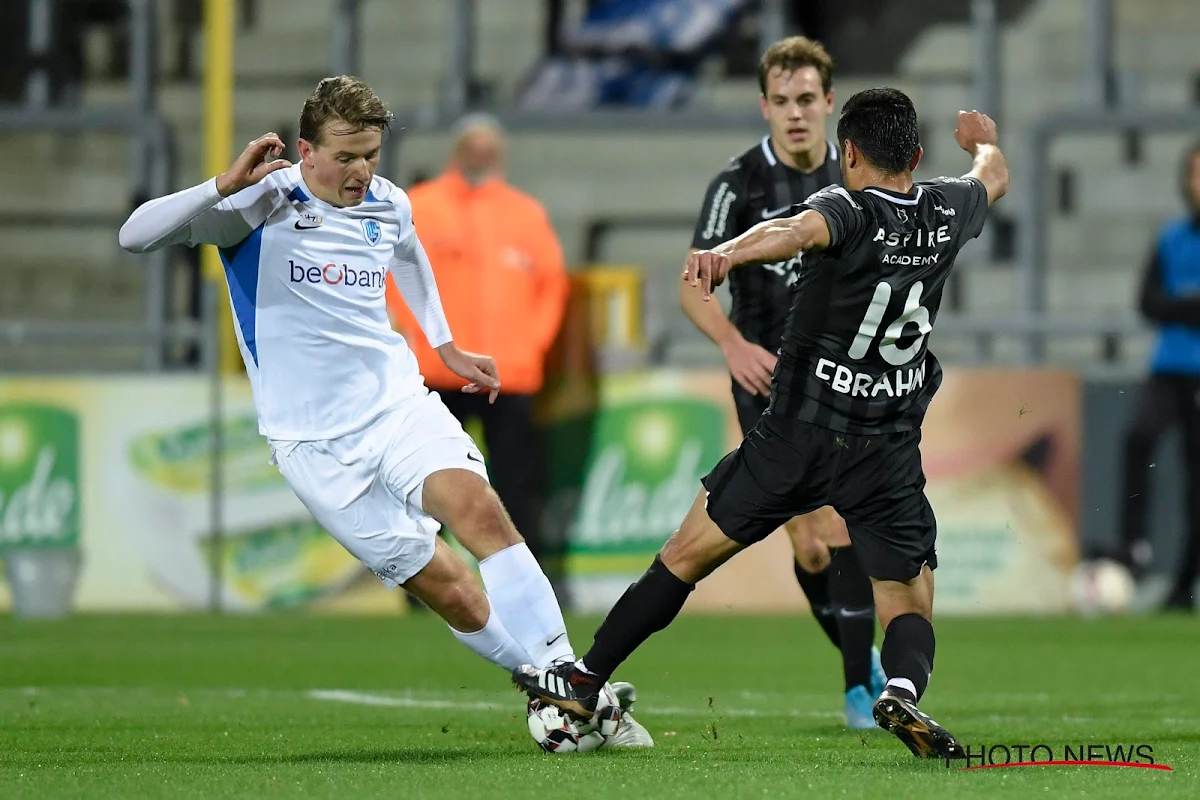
{"points": [[775, 212], [555, 639], [851, 613], [300, 227], [474, 457]]}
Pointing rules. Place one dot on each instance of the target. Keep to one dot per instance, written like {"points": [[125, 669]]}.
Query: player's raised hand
{"points": [[479, 371], [706, 269], [259, 159], [974, 129]]}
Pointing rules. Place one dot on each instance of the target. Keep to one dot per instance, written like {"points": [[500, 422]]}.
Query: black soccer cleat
{"points": [[562, 685], [924, 737]]}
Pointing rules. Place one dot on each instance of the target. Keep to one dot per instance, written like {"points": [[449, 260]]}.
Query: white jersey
{"points": [[306, 281]]}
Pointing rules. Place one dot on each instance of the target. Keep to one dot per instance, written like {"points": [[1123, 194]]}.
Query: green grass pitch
{"points": [[303, 706]]}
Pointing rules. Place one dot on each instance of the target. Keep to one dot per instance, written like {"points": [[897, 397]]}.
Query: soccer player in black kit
{"points": [[795, 159], [847, 400]]}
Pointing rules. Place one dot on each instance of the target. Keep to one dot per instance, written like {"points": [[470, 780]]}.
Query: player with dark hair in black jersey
{"points": [[795, 159], [848, 397]]}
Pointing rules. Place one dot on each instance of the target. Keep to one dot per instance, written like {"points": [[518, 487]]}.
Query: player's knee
{"points": [[479, 520], [810, 551], [692, 556]]}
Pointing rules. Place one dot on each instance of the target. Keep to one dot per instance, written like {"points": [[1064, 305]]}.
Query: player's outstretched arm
{"points": [[976, 133], [198, 215], [774, 240]]}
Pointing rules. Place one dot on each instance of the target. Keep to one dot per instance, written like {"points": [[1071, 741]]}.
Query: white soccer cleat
{"points": [[626, 694], [630, 733]]}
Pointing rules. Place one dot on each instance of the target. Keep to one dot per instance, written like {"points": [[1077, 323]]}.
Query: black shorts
{"points": [[785, 468], [749, 407]]}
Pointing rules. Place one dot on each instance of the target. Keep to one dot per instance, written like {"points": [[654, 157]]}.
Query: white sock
{"points": [[525, 602], [494, 643], [905, 684]]}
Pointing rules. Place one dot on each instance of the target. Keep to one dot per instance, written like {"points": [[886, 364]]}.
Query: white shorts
{"points": [[365, 487]]}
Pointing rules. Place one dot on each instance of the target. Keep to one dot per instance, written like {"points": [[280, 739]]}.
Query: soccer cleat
{"points": [[630, 733], [919, 732], [626, 694], [561, 685], [858, 709], [878, 676]]}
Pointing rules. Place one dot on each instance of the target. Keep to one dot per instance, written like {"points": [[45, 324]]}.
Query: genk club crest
{"points": [[372, 231]]}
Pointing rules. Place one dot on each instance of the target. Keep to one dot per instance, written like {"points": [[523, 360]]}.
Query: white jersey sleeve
{"points": [[198, 215], [414, 278]]}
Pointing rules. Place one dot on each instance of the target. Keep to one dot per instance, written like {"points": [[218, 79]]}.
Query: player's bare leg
{"points": [[648, 606], [698, 547], [451, 590], [519, 590], [905, 609], [812, 554]]}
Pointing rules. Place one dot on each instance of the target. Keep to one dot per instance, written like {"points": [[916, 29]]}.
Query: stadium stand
{"points": [[57, 234]]}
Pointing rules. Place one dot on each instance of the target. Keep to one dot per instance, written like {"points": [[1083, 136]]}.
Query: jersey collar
{"points": [[899, 198]]}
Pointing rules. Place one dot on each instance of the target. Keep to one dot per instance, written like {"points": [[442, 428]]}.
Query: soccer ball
{"points": [[555, 732], [1103, 586]]}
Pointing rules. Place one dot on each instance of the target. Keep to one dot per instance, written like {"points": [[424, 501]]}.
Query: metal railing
{"points": [[150, 176], [1033, 216], [151, 169]]}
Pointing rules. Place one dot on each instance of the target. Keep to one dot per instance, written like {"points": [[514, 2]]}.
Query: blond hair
{"points": [[343, 98]]}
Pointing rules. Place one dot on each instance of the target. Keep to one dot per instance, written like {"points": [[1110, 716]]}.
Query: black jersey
{"points": [[756, 186], [854, 356]]}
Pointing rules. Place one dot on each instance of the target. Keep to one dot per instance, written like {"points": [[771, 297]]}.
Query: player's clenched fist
{"points": [[259, 159], [974, 129], [706, 269]]}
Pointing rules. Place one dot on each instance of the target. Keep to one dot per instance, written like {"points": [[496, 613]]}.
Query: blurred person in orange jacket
{"points": [[499, 269]]}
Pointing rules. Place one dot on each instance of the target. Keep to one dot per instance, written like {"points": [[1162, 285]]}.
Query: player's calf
{"points": [[519, 590], [904, 609], [448, 587]]}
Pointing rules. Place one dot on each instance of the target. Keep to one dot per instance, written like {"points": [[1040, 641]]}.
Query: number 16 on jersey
{"points": [[913, 313]]}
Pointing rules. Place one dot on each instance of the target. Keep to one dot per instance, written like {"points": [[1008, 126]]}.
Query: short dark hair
{"points": [[791, 54], [882, 124], [344, 98]]}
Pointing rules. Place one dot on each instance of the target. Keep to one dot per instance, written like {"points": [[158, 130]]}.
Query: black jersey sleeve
{"points": [[848, 220], [968, 198], [724, 205]]}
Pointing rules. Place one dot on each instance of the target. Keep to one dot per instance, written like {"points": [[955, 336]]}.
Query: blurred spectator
{"points": [[1170, 297], [639, 53], [499, 270]]}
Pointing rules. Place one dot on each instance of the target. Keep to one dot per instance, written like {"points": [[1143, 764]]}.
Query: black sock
{"points": [[816, 589], [854, 601], [647, 607], [908, 650]]}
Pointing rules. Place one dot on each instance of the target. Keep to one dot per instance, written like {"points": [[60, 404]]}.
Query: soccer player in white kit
{"points": [[376, 458]]}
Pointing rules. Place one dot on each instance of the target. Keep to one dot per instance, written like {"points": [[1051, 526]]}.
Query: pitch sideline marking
{"points": [[363, 698]]}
